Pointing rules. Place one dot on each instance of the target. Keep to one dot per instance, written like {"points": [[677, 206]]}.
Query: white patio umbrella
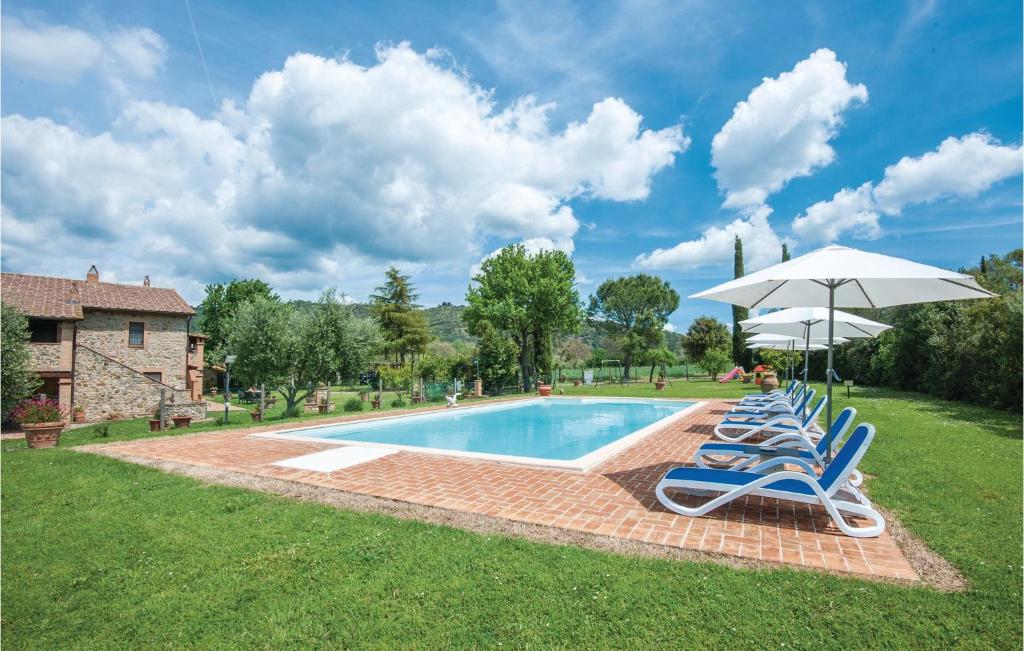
{"points": [[811, 324], [838, 275], [786, 342]]}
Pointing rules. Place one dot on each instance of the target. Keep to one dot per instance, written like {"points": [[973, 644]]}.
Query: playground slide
{"points": [[732, 374]]}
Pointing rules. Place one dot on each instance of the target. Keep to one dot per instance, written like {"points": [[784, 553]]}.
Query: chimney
{"points": [[93, 276], [145, 281]]}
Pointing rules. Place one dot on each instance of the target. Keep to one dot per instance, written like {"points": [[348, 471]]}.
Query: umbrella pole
{"points": [[828, 373], [807, 348]]}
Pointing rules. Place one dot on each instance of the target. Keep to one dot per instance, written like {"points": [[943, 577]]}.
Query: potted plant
{"points": [[769, 382], [256, 415], [42, 419], [213, 391], [375, 403], [155, 424], [659, 384], [78, 414], [181, 421]]}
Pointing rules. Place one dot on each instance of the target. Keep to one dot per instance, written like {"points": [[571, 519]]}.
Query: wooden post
{"points": [[163, 408]]}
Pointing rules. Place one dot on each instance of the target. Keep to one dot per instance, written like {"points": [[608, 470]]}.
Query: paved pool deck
{"points": [[615, 498]]}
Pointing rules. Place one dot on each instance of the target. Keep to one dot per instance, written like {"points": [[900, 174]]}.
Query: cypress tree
{"points": [[741, 356], [785, 252]]}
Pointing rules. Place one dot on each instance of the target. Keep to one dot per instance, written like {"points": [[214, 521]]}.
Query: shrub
{"points": [[398, 402], [353, 404], [39, 409], [102, 430]]}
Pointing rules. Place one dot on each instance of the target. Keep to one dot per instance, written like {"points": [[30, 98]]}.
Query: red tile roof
{"points": [[62, 298]]}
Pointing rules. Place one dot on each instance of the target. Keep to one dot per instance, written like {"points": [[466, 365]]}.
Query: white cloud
{"points": [[782, 130], [668, 327], [62, 54], [848, 211], [960, 167], [327, 170], [761, 246]]}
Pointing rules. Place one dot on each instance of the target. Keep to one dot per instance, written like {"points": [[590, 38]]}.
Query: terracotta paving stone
{"points": [[615, 498]]}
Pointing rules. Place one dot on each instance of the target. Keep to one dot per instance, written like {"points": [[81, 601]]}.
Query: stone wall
{"points": [[194, 410], [104, 386], [45, 357]]}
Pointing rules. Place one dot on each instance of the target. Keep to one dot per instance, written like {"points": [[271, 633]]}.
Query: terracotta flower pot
{"points": [[544, 389], [375, 404], [79, 416], [769, 383], [181, 421], [42, 435], [256, 416], [154, 424], [576, 383], [659, 385]]}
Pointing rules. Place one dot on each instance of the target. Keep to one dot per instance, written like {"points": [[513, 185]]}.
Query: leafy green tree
{"points": [[402, 324], [17, 378], [219, 305], [636, 308], [659, 358], [785, 252], [529, 298], [715, 361], [740, 353], [704, 334], [287, 349], [572, 352], [498, 356]]}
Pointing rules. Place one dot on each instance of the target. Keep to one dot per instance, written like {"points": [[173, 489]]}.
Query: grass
{"points": [[99, 553]]}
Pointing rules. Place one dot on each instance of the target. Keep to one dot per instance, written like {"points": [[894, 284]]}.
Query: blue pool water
{"points": [[557, 429]]}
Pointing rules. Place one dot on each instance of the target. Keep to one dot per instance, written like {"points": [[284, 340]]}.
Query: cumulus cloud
{"points": [[327, 168], [782, 130], [849, 210], [761, 246], [62, 54], [960, 167]]}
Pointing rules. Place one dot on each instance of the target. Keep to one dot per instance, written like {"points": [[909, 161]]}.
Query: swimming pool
{"points": [[562, 432]]}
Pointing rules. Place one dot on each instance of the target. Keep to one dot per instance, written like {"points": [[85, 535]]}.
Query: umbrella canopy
{"points": [[803, 322], [779, 345], [765, 338], [811, 324], [853, 278], [844, 277]]}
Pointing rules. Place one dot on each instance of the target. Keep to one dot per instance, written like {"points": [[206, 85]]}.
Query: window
{"points": [[136, 334], [44, 332], [156, 376]]}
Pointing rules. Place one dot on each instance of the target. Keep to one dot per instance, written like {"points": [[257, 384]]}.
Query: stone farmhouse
{"points": [[110, 348]]}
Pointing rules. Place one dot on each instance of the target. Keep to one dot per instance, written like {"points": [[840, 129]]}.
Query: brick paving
{"points": [[615, 498]]}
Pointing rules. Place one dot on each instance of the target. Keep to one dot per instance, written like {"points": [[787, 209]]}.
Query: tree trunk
{"points": [[524, 361], [627, 361], [651, 379]]}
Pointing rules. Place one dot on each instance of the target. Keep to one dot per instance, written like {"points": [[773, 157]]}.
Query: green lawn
{"points": [[99, 553]]}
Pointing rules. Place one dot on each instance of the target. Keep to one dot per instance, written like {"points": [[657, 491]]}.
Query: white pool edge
{"points": [[586, 462]]}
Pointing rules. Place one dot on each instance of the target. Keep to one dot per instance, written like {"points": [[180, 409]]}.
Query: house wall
{"points": [[55, 356], [103, 386]]}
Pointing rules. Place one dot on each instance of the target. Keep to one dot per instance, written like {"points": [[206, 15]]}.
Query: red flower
{"points": [[38, 409]]}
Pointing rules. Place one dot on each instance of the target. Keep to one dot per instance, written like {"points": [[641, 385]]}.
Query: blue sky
{"points": [[116, 153]]}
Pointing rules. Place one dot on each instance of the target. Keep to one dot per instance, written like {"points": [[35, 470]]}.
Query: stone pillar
{"points": [[478, 388], [64, 394]]}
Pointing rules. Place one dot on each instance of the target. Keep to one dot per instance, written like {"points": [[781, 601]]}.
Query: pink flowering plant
{"points": [[38, 409]]}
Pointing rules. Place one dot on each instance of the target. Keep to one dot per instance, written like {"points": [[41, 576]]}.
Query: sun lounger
{"points": [[831, 490], [790, 392], [740, 428], [742, 412], [810, 455]]}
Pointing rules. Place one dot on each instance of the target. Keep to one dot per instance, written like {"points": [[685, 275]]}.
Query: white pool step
{"points": [[344, 456]]}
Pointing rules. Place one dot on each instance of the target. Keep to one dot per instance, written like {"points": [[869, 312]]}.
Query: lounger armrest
{"points": [[782, 461]]}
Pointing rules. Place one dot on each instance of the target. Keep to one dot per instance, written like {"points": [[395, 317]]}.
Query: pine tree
{"points": [[403, 325], [785, 252], [740, 354]]}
